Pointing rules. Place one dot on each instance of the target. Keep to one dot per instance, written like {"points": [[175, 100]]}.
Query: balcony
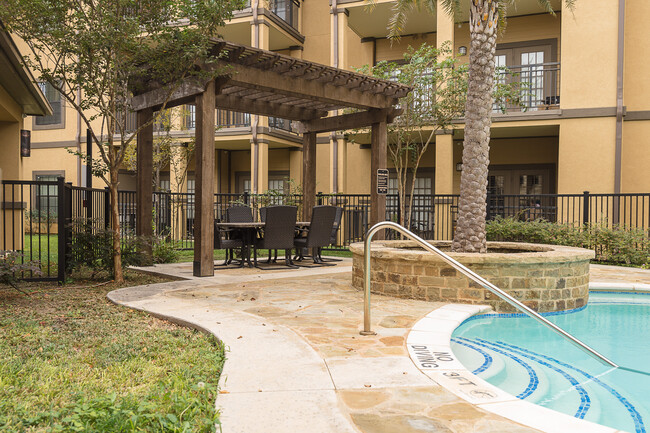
{"points": [[286, 10], [540, 87]]}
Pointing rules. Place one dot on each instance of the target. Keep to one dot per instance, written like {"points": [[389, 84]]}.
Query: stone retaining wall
{"points": [[546, 278]]}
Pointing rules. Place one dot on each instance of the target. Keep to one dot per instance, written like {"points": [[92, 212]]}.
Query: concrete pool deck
{"points": [[296, 361]]}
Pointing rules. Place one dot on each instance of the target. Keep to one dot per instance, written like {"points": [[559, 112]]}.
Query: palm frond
{"points": [[398, 19], [546, 5], [451, 7]]}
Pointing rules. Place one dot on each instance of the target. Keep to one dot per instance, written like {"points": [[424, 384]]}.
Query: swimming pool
{"points": [[527, 360]]}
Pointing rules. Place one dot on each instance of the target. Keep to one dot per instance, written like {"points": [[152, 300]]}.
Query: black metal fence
{"points": [[36, 217]]}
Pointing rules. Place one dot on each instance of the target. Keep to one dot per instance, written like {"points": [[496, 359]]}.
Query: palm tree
{"points": [[486, 17]]}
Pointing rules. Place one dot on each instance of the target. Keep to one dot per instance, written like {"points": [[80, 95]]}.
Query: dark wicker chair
{"points": [[239, 214], [279, 231], [335, 230], [222, 241], [319, 233]]}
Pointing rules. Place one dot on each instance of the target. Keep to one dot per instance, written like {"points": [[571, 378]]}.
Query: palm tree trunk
{"points": [[470, 228]]}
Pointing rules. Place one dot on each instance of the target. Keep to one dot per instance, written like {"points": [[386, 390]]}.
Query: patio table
{"points": [[249, 229]]}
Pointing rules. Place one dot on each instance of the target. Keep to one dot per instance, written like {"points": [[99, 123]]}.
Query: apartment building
{"points": [[584, 124], [19, 97]]}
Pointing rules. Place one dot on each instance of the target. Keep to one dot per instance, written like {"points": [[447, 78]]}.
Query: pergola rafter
{"points": [[255, 81]]}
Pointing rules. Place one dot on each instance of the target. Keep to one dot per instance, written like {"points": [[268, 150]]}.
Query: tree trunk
{"points": [[115, 224], [470, 228]]}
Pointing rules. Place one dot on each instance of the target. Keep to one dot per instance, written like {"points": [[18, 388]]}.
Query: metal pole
{"points": [[469, 274]]}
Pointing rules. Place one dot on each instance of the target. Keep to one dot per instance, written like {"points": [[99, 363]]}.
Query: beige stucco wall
{"points": [[635, 177], [586, 155]]}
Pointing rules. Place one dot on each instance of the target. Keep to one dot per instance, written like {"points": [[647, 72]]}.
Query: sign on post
{"points": [[382, 181]]}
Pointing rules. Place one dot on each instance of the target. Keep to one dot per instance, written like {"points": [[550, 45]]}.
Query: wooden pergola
{"points": [[265, 83]]}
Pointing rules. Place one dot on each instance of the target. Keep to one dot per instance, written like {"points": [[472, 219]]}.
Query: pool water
{"points": [[522, 357]]}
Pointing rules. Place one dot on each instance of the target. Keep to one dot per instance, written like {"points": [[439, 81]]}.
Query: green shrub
{"points": [[92, 248], [614, 245], [163, 250]]}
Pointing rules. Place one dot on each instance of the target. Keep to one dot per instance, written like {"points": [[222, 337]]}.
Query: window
{"points": [[47, 198], [189, 116], [55, 120]]}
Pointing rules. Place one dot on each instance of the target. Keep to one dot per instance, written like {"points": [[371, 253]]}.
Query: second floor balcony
{"points": [[286, 10]]}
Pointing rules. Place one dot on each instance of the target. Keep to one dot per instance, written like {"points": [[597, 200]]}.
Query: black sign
{"points": [[382, 181], [25, 143]]}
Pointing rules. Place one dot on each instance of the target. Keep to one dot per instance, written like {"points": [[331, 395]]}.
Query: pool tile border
{"points": [[430, 350]]}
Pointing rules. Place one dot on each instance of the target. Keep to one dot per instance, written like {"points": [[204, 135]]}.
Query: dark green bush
{"points": [[92, 248], [614, 245], [164, 251]]}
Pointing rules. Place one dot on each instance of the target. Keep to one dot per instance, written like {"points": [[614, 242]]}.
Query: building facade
{"points": [[584, 125]]}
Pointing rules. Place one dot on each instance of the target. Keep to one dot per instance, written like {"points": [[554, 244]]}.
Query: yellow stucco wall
{"points": [[589, 41], [586, 155], [635, 176]]}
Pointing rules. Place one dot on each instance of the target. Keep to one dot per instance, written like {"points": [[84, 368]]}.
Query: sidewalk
{"points": [[296, 361]]}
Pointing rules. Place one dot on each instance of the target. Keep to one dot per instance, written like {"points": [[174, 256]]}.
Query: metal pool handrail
{"points": [[469, 274]]}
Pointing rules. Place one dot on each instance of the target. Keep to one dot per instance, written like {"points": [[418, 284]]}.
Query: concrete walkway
{"points": [[296, 361]]}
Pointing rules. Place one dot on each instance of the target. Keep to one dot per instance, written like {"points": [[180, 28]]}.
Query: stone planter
{"points": [[544, 277]]}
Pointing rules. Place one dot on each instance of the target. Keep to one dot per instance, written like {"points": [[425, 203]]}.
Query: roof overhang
{"points": [[18, 81]]}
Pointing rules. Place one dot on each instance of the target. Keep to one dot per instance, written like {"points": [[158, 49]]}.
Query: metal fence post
{"points": [[61, 220], [319, 198], [247, 198], [107, 208], [585, 208]]}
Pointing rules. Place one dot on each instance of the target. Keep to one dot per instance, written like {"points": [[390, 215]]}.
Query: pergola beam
{"points": [[348, 121], [155, 98], [246, 76], [265, 108]]}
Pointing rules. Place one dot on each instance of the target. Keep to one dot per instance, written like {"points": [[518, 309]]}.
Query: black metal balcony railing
{"points": [[287, 10], [232, 119], [540, 86], [277, 123]]}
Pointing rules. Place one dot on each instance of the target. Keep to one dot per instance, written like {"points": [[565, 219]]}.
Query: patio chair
{"points": [[279, 232], [335, 230], [318, 234], [239, 214], [222, 241]]}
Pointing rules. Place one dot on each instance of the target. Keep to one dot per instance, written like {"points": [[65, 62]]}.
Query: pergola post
{"points": [[308, 174], [204, 170], [144, 176], [379, 149]]}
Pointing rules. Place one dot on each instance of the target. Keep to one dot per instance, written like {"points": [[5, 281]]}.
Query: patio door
{"points": [[512, 191], [528, 66]]}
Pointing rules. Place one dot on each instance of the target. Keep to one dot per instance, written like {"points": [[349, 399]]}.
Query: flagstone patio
{"points": [[296, 361]]}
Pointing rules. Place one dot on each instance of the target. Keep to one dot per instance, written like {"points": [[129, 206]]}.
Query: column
{"points": [[144, 179], [379, 149], [444, 27], [204, 169], [308, 174]]}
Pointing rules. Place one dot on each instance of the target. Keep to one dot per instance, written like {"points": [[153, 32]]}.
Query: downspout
{"points": [[255, 118], [333, 139], [619, 105]]}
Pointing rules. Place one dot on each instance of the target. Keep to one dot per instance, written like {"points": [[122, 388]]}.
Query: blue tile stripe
{"points": [[622, 292], [533, 380], [636, 416], [518, 315], [487, 359], [585, 400]]}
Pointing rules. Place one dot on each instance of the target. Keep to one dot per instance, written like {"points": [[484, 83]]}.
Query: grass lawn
{"points": [[72, 361]]}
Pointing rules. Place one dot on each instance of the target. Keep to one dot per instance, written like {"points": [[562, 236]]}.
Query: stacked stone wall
{"points": [[549, 278]]}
